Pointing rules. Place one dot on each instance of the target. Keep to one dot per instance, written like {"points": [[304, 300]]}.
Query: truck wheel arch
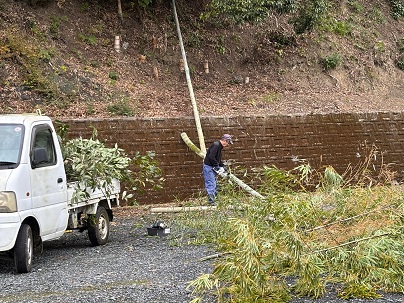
{"points": [[99, 227], [104, 203], [38, 246]]}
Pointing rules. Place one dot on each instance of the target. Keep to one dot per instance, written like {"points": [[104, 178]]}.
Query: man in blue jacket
{"points": [[213, 166]]}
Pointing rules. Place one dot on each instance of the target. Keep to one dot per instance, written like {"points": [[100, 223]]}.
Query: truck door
{"points": [[49, 195]]}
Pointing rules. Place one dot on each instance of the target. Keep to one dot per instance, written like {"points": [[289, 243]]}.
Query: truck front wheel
{"points": [[98, 227], [24, 249]]}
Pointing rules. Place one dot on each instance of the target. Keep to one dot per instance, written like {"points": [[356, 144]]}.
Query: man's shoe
{"points": [[211, 200]]}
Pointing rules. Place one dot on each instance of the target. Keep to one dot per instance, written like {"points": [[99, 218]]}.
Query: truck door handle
{"points": [[60, 180]]}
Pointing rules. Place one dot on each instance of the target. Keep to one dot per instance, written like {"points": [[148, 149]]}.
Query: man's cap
{"points": [[227, 138]]}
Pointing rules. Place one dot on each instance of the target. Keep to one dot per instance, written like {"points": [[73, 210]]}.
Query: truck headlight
{"points": [[8, 202]]}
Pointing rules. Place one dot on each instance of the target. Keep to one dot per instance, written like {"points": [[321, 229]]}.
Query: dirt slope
{"points": [[60, 58]]}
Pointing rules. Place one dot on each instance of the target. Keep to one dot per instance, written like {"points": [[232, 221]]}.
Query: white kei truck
{"points": [[36, 202]]}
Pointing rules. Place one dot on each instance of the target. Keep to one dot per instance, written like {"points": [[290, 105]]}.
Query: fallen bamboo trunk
{"points": [[177, 209], [229, 176]]}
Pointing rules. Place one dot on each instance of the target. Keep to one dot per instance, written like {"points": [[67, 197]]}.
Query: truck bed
{"points": [[95, 195]]}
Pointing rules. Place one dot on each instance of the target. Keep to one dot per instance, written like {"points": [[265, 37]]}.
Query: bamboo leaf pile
{"points": [[342, 237]]}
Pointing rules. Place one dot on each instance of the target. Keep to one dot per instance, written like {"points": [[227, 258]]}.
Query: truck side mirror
{"points": [[40, 156]]}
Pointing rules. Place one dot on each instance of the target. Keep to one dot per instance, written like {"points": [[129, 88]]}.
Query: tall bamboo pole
{"points": [[191, 90]]}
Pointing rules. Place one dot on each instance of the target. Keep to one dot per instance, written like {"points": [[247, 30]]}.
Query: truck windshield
{"points": [[11, 136]]}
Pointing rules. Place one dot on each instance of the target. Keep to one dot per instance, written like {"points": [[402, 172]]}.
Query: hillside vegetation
{"points": [[59, 57]]}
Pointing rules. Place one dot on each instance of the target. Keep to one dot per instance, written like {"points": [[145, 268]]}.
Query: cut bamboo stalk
{"points": [[117, 44], [142, 58], [214, 256], [177, 209], [206, 66], [154, 42], [155, 72]]}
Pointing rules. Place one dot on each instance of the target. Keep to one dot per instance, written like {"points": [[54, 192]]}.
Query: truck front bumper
{"points": [[9, 227]]}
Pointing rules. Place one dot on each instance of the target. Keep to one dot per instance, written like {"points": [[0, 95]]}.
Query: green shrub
{"points": [[271, 97], [331, 61], [220, 49], [144, 3], [397, 8], [90, 39], [310, 15], [46, 54], [194, 40], [356, 5], [240, 11], [342, 28], [380, 47], [54, 27], [85, 6], [113, 75], [122, 108]]}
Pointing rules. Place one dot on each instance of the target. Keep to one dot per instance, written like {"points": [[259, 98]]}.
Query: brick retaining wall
{"points": [[333, 139]]}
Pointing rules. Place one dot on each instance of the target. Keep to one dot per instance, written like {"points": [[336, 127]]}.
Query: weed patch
{"points": [[331, 61]]}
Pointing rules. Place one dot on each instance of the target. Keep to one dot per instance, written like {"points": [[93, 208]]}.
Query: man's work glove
{"points": [[220, 171]]}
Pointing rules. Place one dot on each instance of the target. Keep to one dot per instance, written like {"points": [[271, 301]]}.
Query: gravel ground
{"points": [[131, 267]]}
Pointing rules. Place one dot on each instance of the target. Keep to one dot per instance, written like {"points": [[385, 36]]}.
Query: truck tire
{"points": [[98, 228], [24, 249]]}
